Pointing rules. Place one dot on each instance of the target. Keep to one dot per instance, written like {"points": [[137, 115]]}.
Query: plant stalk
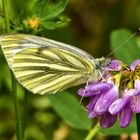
{"points": [[138, 124], [25, 113], [6, 16], [20, 126], [13, 81], [16, 106], [92, 132]]}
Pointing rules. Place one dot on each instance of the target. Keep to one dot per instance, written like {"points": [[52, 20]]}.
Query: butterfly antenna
{"points": [[123, 43]]}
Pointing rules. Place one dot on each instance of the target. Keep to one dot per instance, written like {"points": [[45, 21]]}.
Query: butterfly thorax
{"points": [[101, 63], [99, 68]]}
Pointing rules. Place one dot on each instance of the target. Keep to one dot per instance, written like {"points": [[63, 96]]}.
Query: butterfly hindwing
{"points": [[50, 70]]}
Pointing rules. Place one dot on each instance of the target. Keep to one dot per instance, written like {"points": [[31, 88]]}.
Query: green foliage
{"points": [[128, 48], [2, 24], [46, 14], [55, 23], [68, 107], [47, 9]]}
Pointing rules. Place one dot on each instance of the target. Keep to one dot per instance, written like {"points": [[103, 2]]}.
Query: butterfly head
{"points": [[101, 63]]}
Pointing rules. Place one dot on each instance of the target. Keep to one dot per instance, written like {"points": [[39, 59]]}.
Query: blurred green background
{"points": [[87, 25]]}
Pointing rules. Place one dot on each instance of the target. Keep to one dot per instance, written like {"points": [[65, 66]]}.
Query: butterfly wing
{"points": [[14, 43], [46, 66]]}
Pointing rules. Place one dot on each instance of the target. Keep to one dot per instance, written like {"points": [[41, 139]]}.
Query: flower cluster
{"points": [[117, 94]]}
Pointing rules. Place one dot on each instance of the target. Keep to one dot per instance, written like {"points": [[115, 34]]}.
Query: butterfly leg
{"points": [[84, 93], [101, 75]]}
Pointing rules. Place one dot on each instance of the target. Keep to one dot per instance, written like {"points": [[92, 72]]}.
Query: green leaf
{"points": [[39, 7], [68, 107], [49, 25], [117, 130], [129, 50], [56, 23], [47, 9]]}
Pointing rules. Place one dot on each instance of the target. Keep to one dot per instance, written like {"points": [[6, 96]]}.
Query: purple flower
{"points": [[99, 94], [117, 94], [95, 89], [115, 65], [129, 101], [107, 120], [105, 100]]}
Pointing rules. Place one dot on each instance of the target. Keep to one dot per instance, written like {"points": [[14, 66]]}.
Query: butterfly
{"points": [[43, 65]]}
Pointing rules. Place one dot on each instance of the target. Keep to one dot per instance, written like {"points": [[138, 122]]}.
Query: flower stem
{"points": [[6, 15], [138, 124], [13, 81], [92, 132], [16, 106], [25, 113]]}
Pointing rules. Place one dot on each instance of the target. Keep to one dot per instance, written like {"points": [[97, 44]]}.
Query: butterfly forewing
{"points": [[14, 43], [46, 66]]}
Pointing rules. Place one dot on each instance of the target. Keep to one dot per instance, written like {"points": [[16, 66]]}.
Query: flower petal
{"points": [[126, 115], [92, 114], [137, 87], [134, 64], [106, 100], [94, 89], [92, 102], [90, 106], [115, 65], [128, 92], [135, 104], [107, 120], [82, 92], [118, 105], [99, 87]]}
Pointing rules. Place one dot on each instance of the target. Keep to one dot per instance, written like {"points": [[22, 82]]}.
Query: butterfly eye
{"points": [[97, 66]]}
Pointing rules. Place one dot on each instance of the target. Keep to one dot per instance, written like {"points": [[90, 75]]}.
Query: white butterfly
{"points": [[46, 66]]}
